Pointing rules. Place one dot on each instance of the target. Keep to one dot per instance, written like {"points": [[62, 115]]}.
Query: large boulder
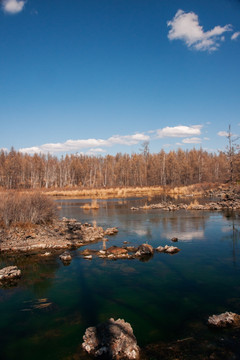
{"points": [[112, 339], [227, 319], [144, 250], [9, 273]]}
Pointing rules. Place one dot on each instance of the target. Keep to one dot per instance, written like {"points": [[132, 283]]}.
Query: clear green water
{"points": [[164, 299]]}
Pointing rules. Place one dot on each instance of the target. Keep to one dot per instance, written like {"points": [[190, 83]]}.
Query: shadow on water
{"points": [[89, 305]]}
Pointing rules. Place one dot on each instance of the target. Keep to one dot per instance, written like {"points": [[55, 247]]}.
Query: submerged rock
{"points": [[227, 319], [9, 273], [144, 249], [174, 239], [113, 339], [168, 249]]}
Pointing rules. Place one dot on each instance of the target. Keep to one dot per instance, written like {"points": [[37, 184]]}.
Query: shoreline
{"points": [[126, 192], [61, 234]]}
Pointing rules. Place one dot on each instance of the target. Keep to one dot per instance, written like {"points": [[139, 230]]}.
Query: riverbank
{"points": [[229, 199]]}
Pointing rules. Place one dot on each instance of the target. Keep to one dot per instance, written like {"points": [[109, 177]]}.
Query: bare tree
{"points": [[231, 152]]}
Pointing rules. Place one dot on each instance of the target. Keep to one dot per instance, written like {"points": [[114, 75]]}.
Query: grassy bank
{"points": [[126, 192]]}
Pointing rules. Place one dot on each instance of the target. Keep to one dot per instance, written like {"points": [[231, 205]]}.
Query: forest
{"points": [[22, 171]]}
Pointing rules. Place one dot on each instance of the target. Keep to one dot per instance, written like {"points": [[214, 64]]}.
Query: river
{"points": [[166, 298]]}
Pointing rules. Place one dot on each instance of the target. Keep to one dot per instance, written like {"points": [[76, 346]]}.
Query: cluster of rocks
{"points": [[113, 339], [9, 273], [224, 192], [61, 234], [223, 204], [128, 252]]}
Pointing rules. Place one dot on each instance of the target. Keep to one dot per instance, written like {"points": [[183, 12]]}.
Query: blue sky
{"points": [[100, 77]]}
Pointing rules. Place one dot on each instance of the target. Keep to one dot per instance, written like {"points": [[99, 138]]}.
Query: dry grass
{"points": [[193, 204], [93, 206], [149, 191], [108, 193], [26, 208]]}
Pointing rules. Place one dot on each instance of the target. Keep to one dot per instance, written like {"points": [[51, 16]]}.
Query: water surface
{"points": [[164, 299]]}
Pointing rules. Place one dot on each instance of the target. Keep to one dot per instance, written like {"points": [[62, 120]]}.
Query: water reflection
{"points": [[185, 236]]}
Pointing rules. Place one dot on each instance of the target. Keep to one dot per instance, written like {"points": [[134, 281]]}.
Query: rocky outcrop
{"points": [[227, 319], [9, 273], [61, 234], [112, 339], [144, 250], [168, 249]]}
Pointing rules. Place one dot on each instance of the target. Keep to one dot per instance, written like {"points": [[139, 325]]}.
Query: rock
{"points": [[174, 239], [65, 256], [172, 250], [132, 249], [144, 249], [115, 250], [111, 231], [87, 252], [227, 319], [160, 249], [168, 249], [134, 208], [46, 254], [88, 257], [113, 339], [10, 272]]}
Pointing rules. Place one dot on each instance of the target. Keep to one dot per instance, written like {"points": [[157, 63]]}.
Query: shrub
{"points": [[34, 208]]}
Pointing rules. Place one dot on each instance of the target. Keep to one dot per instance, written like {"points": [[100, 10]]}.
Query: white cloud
{"points": [[193, 140], [222, 133], [13, 6], [185, 26], [4, 149], [97, 144], [179, 131], [95, 151], [206, 138], [235, 35]]}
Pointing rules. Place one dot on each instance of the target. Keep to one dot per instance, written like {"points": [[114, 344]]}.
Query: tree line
{"points": [[24, 171]]}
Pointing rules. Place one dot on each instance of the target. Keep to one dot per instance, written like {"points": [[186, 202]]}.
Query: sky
{"points": [[103, 76]]}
